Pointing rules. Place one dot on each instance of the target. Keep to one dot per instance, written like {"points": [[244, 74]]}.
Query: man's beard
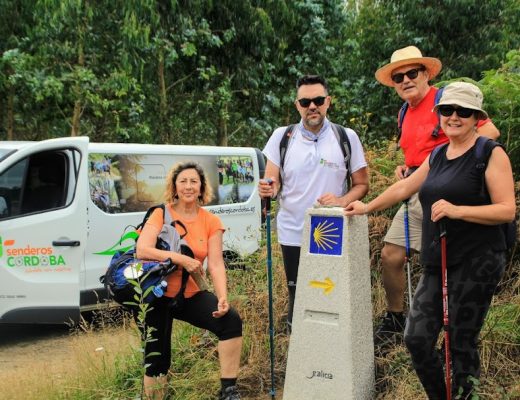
{"points": [[314, 122]]}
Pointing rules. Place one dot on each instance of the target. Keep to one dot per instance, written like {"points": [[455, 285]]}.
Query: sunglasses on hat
{"points": [[462, 112], [411, 74], [318, 101]]}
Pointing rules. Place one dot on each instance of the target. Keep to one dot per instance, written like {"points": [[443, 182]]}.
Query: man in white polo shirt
{"points": [[312, 170]]}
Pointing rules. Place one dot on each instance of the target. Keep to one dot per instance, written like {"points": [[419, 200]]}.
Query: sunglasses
{"points": [[411, 74], [318, 101], [462, 112]]}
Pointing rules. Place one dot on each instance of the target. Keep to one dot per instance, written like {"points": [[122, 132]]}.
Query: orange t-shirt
{"points": [[199, 230]]}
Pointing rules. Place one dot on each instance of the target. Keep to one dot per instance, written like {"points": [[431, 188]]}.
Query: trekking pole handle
{"points": [[268, 199]]}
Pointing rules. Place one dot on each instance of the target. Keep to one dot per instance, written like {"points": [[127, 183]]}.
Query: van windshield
{"points": [[4, 153]]}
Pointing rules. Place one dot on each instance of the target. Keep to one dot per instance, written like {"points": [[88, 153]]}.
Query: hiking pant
{"points": [[470, 288], [291, 262], [196, 310]]}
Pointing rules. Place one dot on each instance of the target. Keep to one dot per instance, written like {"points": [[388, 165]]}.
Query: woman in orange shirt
{"points": [[187, 191]]}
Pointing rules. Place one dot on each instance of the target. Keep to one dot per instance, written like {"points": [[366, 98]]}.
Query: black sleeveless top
{"points": [[461, 182]]}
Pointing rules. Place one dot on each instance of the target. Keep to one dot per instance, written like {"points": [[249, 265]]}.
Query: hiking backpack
{"points": [[343, 141], [404, 109], [483, 148], [128, 280]]}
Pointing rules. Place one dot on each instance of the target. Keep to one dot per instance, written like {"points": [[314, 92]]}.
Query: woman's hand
{"points": [[443, 208], [192, 265], [223, 308], [355, 208]]}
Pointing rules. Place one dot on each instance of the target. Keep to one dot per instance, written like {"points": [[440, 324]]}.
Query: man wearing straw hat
{"points": [[409, 74]]}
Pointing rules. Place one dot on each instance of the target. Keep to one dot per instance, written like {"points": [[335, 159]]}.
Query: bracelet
{"points": [[366, 209]]}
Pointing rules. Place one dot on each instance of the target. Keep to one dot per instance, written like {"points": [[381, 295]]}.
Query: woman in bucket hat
{"points": [[450, 187], [409, 73]]}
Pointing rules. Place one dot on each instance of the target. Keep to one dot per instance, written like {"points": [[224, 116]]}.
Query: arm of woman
{"points": [[146, 250], [217, 271], [500, 185], [399, 191]]}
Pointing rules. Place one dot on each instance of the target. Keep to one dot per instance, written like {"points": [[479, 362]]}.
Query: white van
{"points": [[66, 205]]}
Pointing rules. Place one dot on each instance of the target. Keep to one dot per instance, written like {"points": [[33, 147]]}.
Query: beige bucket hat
{"points": [[463, 94], [406, 56]]}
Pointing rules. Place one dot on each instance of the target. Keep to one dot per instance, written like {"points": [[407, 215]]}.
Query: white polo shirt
{"points": [[311, 168]]}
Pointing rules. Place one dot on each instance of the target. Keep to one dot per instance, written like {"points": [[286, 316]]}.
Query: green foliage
{"points": [[208, 72], [501, 88]]}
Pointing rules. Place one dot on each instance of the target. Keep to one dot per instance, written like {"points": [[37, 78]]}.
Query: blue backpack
{"points": [[129, 281], [483, 148]]}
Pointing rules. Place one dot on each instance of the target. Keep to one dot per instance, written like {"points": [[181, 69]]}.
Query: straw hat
{"points": [[406, 56], [463, 94]]}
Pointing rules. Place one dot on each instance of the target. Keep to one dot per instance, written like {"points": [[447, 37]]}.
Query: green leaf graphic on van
{"points": [[116, 247]]}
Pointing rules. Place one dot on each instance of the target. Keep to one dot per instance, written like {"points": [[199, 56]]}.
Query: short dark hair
{"points": [[312, 80]]}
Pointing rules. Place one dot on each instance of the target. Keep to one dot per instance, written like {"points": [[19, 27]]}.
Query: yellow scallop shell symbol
{"points": [[326, 235]]}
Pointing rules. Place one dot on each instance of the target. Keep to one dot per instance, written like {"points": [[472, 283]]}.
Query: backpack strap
{"points": [[404, 109], [437, 128], [341, 136], [436, 151], [284, 143], [149, 213], [400, 119], [483, 148], [346, 149]]}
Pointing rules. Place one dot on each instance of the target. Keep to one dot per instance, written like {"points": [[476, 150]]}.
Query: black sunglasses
{"points": [[411, 74], [318, 101], [462, 112]]}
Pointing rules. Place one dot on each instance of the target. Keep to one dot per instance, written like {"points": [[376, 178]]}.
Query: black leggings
{"points": [[470, 288], [197, 311], [291, 262]]}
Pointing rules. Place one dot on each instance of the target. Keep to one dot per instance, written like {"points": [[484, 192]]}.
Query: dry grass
{"points": [[59, 366]]}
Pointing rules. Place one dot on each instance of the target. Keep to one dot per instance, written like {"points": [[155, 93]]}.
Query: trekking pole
{"points": [[444, 277], [407, 249], [270, 286]]}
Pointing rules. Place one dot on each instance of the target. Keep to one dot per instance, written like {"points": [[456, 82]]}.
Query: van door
{"points": [[43, 230]]}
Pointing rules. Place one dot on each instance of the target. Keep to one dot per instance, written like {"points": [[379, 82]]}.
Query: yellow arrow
{"points": [[327, 285]]}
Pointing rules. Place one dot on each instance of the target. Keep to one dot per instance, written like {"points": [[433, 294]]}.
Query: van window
{"points": [[34, 184], [134, 182]]}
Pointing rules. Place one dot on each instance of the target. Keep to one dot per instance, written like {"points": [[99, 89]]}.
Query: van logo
{"points": [[117, 248], [28, 256], [7, 243]]}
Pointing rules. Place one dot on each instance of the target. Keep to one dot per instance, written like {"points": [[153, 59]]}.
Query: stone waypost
{"points": [[331, 351]]}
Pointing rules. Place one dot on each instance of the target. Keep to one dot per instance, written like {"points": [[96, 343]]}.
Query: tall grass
{"points": [[115, 372]]}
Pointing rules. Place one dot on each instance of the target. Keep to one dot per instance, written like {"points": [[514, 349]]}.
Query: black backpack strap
{"points": [[184, 281], [346, 149], [436, 151], [483, 148], [284, 143], [149, 213], [437, 128], [400, 119]]}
